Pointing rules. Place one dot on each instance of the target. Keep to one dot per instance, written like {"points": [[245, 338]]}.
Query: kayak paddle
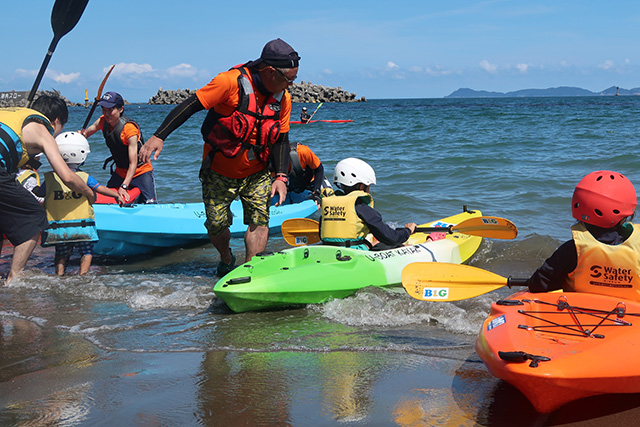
{"points": [[300, 231], [314, 113], [95, 102], [296, 230], [441, 281], [64, 16]]}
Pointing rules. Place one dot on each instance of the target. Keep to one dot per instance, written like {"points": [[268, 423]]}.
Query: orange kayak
{"points": [[560, 347]]}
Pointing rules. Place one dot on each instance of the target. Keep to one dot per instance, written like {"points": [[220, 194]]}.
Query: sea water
{"points": [[183, 357]]}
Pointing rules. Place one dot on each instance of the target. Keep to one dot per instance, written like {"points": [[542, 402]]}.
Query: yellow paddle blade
{"points": [[300, 231], [439, 281], [304, 231], [488, 226]]}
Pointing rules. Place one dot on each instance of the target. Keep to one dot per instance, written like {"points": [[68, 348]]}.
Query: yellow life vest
{"points": [[70, 214], [13, 152], [340, 222], [606, 269], [26, 174]]}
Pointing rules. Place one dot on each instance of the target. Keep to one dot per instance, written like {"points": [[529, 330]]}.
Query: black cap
{"points": [[279, 54]]}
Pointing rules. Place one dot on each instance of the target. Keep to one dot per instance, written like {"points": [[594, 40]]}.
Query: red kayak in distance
{"points": [[325, 121]]}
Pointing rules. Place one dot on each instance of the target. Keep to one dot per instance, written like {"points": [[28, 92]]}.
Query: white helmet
{"points": [[73, 147], [352, 171]]}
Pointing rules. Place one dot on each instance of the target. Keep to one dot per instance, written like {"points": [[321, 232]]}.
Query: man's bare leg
{"points": [[221, 243], [21, 254], [255, 240]]}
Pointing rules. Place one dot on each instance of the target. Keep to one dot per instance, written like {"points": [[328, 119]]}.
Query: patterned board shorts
{"points": [[219, 191], [64, 250]]}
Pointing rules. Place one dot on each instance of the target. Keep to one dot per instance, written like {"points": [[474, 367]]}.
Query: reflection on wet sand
{"points": [[41, 374], [492, 402]]}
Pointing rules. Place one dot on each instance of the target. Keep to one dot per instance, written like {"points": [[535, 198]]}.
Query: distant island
{"points": [[553, 91]]}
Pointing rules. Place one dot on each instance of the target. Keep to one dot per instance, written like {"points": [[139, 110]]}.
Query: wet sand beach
{"points": [[50, 377]]}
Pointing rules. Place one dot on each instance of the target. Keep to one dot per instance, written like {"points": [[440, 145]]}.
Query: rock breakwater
{"points": [[300, 92]]}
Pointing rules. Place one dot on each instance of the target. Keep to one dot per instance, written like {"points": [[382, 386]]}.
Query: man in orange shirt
{"points": [[246, 127], [124, 138]]}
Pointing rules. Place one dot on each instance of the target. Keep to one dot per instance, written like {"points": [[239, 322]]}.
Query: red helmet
{"points": [[603, 199]]}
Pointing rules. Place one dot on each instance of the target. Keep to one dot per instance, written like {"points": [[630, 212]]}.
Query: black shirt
{"points": [[391, 237]]}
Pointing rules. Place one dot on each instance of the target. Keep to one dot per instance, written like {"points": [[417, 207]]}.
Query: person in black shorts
{"points": [[25, 132]]}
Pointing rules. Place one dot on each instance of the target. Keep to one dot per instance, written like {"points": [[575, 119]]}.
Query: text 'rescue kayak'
{"points": [[318, 273]]}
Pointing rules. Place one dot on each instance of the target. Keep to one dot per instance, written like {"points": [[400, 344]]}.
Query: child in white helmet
{"points": [[70, 215], [348, 216]]}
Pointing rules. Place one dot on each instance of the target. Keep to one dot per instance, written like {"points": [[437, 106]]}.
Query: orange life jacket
{"points": [[606, 269], [231, 134]]}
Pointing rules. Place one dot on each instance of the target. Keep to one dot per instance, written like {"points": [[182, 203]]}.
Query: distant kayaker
{"points": [[604, 255], [124, 138], [348, 216], [235, 157], [304, 115], [70, 215], [26, 132], [306, 174]]}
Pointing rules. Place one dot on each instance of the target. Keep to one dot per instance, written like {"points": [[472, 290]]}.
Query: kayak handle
{"points": [[521, 356], [238, 280], [509, 302]]}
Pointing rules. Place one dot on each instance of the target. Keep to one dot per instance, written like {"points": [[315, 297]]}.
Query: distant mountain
{"points": [[553, 91]]}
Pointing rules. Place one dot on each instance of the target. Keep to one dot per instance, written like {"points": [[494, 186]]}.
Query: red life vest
{"points": [[230, 134]]}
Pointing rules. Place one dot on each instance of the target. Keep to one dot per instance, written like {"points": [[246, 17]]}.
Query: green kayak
{"points": [[318, 273]]}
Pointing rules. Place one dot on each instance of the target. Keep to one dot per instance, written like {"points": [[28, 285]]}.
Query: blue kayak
{"points": [[142, 229]]}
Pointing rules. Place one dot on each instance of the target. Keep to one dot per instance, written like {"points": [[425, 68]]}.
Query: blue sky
{"points": [[398, 49]]}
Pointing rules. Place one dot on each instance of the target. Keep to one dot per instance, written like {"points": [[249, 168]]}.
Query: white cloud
{"points": [[131, 68], [522, 67], [607, 65], [392, 66], [488, 67], [61, 77], [182, 70], [327, 71], [437, 70], [21, 72], [51, 74]]}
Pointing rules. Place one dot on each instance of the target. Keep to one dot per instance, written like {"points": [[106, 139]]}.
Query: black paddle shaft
{"points": [[448, 229], [88, 119], [64, 16]]}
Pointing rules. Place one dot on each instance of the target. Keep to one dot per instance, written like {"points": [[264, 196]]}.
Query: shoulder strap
{"points": [[296, 167]]}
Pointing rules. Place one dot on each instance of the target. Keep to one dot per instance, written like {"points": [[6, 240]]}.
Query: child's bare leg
{"points": [[61, 266], [85, 263], [61, 257]]}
